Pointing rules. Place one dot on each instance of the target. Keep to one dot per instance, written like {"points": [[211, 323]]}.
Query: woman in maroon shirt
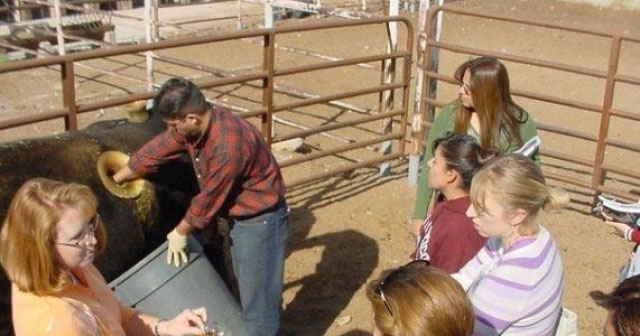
{"points": [[447, 238]]}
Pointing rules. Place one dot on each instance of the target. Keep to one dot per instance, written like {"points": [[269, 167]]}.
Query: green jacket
{"points": [[443, 124]]}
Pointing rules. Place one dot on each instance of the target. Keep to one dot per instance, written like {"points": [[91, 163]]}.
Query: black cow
{"points": [[134, 226]]}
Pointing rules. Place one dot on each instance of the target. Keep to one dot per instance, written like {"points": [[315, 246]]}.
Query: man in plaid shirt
{"points": [[239, 180]]}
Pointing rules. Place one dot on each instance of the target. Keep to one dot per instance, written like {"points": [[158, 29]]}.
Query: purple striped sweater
{"points": [[516, 291]]}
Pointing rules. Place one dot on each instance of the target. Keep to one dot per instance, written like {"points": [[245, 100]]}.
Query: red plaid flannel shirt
{"points": [[237, 174]]}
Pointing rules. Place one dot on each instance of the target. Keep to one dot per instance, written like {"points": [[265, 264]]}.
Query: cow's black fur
{"points": [[72, 157]]}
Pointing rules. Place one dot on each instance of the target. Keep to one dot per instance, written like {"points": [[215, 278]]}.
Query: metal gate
{"points": [[361, 117], [603, 156]]}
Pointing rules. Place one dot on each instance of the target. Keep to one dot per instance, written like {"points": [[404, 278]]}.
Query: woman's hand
{"points": [[188, 322], [605, 216], [415, 226], [621, 229]]}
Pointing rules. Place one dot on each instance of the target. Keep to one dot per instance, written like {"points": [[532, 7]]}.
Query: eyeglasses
{"points": [[87, 236], [394, 274], [465, 88]]}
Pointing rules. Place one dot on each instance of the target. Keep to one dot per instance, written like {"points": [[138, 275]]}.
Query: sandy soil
{"points": [[346, 230]]}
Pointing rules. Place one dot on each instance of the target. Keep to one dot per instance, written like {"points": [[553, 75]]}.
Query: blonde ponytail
{"points": [[556, 200]]}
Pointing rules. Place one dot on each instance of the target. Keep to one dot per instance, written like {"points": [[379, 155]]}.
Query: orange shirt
{"points": [[86, 309]]}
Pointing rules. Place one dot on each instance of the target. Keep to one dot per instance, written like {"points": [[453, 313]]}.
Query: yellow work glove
{"points": [[177, 248]]}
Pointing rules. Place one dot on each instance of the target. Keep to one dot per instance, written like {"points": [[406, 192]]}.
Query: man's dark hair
{"points": [[178, 97]]}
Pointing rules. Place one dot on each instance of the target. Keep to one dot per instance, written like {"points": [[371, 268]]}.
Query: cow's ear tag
{"points": [[137, 111]]}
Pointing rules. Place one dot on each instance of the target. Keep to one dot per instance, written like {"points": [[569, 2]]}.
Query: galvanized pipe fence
{"points": [[600, 164], [265, 75]]}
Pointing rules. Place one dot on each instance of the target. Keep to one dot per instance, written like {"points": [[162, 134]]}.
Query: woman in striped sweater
{"points": [[516, 280]]}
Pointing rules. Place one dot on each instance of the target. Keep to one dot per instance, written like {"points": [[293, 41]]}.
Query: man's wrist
{"points": [[184, 228], [123, 174], [117, 177], [156, 332]]}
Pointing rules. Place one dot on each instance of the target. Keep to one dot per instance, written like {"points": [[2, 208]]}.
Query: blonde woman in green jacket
{"points": [[484, 109]]}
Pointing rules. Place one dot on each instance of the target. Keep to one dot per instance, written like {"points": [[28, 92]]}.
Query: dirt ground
{"points": [[346, 230]]}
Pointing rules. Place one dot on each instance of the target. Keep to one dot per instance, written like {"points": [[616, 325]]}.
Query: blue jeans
{"points": [[258, 247]]}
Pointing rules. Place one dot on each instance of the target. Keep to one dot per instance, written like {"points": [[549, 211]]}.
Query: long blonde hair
{"points": [[29, 231], [422, 301], [517, 183]]}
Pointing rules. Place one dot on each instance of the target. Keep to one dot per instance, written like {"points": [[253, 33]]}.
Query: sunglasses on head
{"points": [[394, 274]]}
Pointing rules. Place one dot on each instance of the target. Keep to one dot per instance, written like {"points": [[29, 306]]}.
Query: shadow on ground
{"points": [[348, 259]]}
